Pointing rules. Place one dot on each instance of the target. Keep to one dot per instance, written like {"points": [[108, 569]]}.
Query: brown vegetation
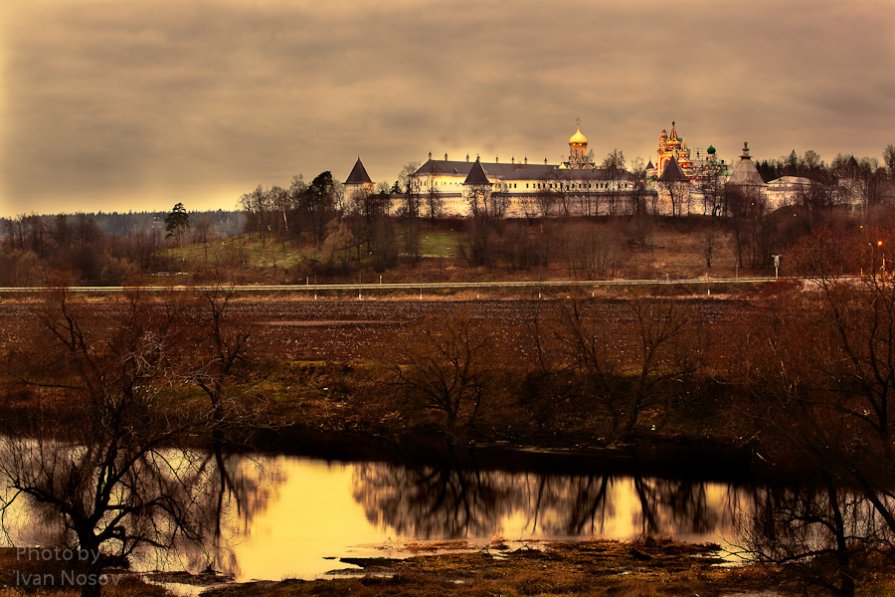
{"points": [[576, 568], [115, 472], [800, 376]]}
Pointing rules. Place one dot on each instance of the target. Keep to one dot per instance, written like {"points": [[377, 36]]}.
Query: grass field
{"points": [[244, 250], [440, 243], [665, 249]]}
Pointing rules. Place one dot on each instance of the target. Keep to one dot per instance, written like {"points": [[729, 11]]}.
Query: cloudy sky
{"points": [[113, 105]]}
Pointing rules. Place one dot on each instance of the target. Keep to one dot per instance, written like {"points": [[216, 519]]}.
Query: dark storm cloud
{"points": [[130, 105]]}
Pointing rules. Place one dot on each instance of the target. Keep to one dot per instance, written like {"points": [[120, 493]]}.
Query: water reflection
{"points": [[237, 488], [271, 517], [182, 510], [451, 503], [827, 534], [433, 503]]}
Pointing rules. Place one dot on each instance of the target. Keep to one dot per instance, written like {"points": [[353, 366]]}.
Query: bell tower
{"points": [[577, 147]]}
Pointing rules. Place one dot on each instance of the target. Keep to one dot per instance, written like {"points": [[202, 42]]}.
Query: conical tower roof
{"points": [[476, 174], [745, 173], [672, 172], [358, 174]]}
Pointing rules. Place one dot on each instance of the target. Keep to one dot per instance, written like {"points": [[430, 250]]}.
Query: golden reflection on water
{"points": [[313, 516], [337, 509], [294, 512]]}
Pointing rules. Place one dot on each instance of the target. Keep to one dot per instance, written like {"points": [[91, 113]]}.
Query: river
{"points": [[290, 515]]}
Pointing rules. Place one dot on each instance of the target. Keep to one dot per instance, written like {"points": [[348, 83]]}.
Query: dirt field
{"points": [[284, 328]]}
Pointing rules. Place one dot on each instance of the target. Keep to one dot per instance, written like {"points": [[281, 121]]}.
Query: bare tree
{"points": [[889, 160], [433, 200], [584, 338], [825, 382], [614, 169], [217, 355], [121, 485], [822, 535], [256, 205], [709, 238], [747, 208], [410, 189], [445, 372], [591, 253], [710, 184], [124, 480], [679, 194]]}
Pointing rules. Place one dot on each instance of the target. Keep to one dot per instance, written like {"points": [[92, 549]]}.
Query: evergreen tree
{"points": [[177, 222]]}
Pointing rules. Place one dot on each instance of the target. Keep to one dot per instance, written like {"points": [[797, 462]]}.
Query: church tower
{"points": [[671, 145], [477, 190], [358, 181], [746, 174], [578, 149]]}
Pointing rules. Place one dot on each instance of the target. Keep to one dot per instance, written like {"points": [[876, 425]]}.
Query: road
{"points": [[531, 285]]}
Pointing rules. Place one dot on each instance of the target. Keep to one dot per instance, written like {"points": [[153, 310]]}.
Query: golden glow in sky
{"points": [[119, 106]]}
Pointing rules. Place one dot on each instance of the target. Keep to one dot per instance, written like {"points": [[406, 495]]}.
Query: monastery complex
{"points": [[676, 183]]}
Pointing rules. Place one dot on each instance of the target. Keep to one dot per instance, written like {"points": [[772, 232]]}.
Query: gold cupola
{"points": [[578, 138]]}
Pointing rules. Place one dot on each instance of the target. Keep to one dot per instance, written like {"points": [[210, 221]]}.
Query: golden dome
{"points": [[578, 138]]}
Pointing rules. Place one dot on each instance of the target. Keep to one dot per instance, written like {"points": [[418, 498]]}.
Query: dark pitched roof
{"points": [[588, 174], [672, 172], [476, 175], [358, 174], [449, 167], [506, 170], [649, 165], [517, 171]]}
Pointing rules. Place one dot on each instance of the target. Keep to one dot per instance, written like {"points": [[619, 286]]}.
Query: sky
{"points": [[131, 106]]}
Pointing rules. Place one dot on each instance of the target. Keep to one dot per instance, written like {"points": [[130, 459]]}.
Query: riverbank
{"points": [[646, 567], [580, 568]]}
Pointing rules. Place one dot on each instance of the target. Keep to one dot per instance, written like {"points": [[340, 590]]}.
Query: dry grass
{"points": [[581, 569]]}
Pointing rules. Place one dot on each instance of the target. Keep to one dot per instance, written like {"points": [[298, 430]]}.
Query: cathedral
{"points": [[672, 146], [576, 186]]}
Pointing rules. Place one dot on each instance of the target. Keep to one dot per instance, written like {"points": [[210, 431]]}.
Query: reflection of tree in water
{"points": [[447, 502], [434, 502], [675, 507], [126, 482], [237, 488], [222, 492], [581, 505], [563, 505], [824, 533]]}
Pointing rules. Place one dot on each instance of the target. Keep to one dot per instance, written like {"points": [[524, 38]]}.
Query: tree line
{"points": [[101, 248]]}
